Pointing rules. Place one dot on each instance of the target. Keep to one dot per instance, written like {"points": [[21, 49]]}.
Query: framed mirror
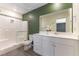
{"points": [[59, 21]]}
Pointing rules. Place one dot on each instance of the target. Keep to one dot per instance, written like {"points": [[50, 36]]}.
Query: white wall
{"points": [[76, 18], [10, 13], [11, 27]]}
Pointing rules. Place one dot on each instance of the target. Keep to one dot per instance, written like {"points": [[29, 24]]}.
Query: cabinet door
{"points": [[37, 49], [46, 46], [37, 46], [52, 49], [37, 40], [64, 50]]}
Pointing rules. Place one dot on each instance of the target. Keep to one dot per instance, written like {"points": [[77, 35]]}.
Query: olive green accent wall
{"points": [[33, 16]]}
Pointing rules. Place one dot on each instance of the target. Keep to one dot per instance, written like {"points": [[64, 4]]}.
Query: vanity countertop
{"points": [[60, 35]]}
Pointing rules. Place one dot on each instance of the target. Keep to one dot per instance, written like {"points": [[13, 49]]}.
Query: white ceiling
{"points": [[21, 8]]}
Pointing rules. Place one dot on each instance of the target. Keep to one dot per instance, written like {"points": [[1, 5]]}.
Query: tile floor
{"points": [[20, 52]]}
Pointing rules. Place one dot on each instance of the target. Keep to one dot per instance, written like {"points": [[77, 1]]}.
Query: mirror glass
{"points": [[61, 25], [59, 21]]}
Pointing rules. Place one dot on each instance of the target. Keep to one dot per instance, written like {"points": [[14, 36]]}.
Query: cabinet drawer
{"points": [[36, 39], [39, 44], [63, 41]]}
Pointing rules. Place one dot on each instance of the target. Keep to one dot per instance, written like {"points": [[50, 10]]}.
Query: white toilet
{"points": [[28, 43], [22, 38]]}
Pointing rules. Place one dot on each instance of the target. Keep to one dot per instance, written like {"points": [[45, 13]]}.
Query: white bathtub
{"points": [[7, 46]]}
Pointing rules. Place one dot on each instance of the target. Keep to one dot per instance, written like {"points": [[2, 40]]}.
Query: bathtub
{"points": [[8, 45]]}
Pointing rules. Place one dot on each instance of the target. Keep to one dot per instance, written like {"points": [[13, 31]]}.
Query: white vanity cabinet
{"points": [[41, 45], [37, 46], [63, 46], [55, 46]]}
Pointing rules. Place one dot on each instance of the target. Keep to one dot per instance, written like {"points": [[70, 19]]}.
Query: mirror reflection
{"points": [[59, 21]]}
